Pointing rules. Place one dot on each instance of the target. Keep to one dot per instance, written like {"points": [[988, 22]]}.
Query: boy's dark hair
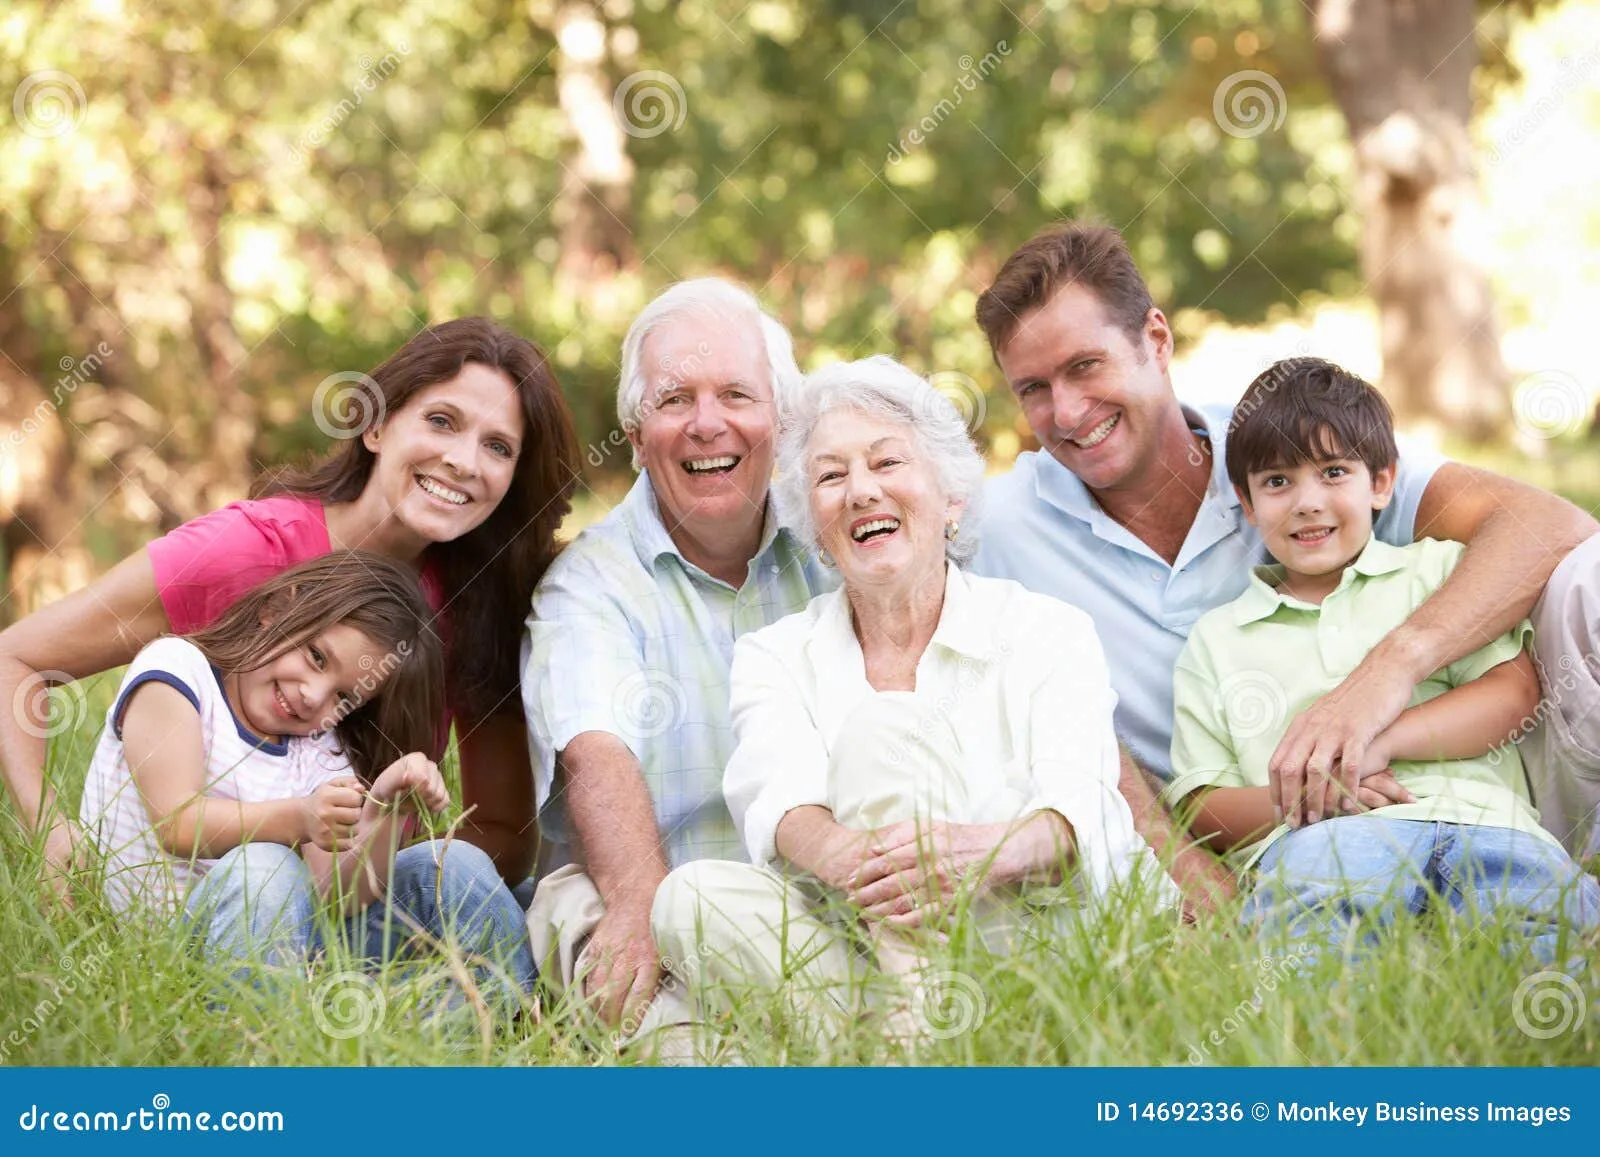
{"points": [[1307, 410], [1082, 252], [382, 599]]}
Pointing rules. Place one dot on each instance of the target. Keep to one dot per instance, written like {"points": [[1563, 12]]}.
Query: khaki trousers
{"points": [[566, 907], [728, 926], [1562, 754]]}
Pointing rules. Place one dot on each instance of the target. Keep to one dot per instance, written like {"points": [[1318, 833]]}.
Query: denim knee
{"points": [[257, 900]]}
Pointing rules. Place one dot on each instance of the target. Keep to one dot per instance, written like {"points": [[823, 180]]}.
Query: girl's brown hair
{"points": [[489, 573], [401, 710]]}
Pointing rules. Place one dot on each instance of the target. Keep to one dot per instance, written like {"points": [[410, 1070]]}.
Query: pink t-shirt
{"points": [[207, 563]]}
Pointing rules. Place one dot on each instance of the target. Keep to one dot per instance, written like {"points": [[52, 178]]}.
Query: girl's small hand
{"points": [[413, 774], [329, 815]]}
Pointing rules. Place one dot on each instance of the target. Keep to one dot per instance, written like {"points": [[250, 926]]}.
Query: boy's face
{"points": [[1315, 517]]}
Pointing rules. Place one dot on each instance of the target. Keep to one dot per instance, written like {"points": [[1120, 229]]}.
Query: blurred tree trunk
{"points": [[593, 212], [230, 464], [1401, 70], [42, 490]]}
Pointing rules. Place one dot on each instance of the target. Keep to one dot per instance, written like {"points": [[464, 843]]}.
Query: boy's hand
{"points": [[329, 815], [415, 775], [1376, 790]]}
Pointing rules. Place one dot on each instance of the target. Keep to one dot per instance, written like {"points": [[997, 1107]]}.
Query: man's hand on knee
{"points": [[622, 966]]}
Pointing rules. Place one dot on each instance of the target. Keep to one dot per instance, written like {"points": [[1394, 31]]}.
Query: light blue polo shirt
{"points": [[1043, 528]]}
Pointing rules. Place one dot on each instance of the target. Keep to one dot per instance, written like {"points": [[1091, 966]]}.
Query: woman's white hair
{"points": [[712, 299], [881, 388]]}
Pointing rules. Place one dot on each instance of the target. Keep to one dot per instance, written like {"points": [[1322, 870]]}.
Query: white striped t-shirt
{"points": [[239, 766]]}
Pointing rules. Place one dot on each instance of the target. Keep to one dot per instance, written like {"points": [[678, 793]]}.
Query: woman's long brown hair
{"points": [[382, 599], [489, 573]]}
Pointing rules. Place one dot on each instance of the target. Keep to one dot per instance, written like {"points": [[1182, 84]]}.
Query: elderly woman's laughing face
{"points": [[876, 500]]}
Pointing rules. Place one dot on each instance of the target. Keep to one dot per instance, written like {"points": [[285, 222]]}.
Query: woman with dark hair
{"points": [[462, 468]]}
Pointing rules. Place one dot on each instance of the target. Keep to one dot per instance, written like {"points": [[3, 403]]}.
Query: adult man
{"points": [[1127, 512], [625, 673]]}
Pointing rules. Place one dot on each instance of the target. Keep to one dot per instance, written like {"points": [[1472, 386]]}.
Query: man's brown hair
{"points": [[1308, 410], [1091, 255]]}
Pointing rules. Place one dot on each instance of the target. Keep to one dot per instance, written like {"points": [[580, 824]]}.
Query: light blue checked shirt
{"points": [[1044, 529], [630, 638]]}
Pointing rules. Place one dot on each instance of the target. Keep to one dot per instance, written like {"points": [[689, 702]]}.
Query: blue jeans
{"points": [[259, 904], [1320, 880]]}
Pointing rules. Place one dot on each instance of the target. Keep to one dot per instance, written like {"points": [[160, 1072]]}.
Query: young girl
{"points": [[302, 721], [461, 465]]}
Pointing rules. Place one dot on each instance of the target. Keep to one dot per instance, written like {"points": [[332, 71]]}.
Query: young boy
{"points": [[1443, 813]]}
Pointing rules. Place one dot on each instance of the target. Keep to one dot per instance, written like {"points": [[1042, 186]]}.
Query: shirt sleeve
{"points": [[1074, 761], [581, 662], [203, 566], [1396, 524], [1436, 559], [779, 761], [172, 661], [1203, 753]]}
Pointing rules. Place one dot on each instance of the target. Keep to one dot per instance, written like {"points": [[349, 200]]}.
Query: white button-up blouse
{"points": [[1021, 679]]}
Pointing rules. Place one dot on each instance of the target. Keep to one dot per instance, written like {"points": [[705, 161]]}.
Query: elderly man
{"points": [[1128, 514], [629, 643]]}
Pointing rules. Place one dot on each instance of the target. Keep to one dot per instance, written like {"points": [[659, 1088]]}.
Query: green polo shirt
{"points": [[1254, 664]]}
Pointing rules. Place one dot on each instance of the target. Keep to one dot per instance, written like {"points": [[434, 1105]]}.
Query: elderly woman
{"points": [[918, 743]]}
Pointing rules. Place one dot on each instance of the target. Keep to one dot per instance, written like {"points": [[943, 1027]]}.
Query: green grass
{"points": [[81, 991]]}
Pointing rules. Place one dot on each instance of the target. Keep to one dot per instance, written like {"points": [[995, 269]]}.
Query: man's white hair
{"points": [[712, 299], [880, 387]]}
